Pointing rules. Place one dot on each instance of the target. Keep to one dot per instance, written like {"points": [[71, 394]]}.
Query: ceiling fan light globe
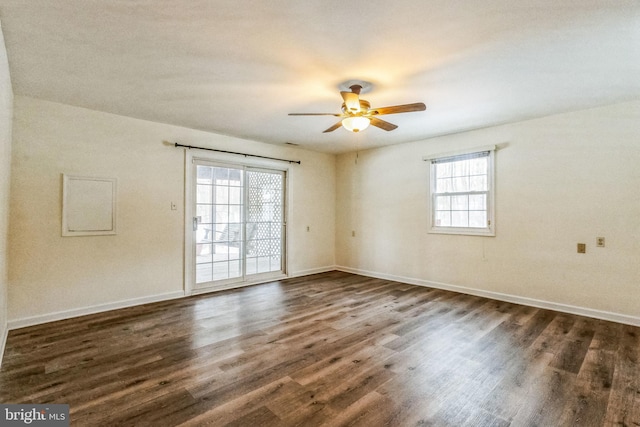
{"points": [[356, 124]]}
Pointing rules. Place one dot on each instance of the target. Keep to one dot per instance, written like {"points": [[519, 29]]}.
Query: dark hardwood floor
{"points": [[330, 349]]}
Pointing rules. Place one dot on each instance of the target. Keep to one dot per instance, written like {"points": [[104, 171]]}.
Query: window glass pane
{"points": [[459, 203], [461, 168], [220, 230], [203, 252], [234, 269], [277, 213], [221, 176], [222, 213], [234, 232], [235, 195], [220, 270], [461, 184], [204, 213], [204, 194], [259, 230], [459, 219], [478, 166], [234, 213], [251, 265], [274, 247], [478, 202], [264, 264], [222, 195], [444, 185], [443, 203], [443, 170], [478, 219], [221, 253], [252, 248], [478, 183], [204, 175], [222, 236], [443, 219], [235, 178], [204, 273], [234, 250], [203, 234]]}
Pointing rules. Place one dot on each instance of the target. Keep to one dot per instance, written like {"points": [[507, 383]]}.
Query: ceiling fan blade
{"points": [[315, 114], [406, 108], [334, 127], [351, 101], [382, 124]]}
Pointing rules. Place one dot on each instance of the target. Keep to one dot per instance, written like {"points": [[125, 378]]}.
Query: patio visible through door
{"points": [[239, 224]]}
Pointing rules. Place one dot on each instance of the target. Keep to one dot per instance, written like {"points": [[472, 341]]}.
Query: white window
{"points": [[462, 193]]}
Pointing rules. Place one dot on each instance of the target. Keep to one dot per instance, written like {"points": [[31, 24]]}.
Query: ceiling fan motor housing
{"points": [[355, 89]]}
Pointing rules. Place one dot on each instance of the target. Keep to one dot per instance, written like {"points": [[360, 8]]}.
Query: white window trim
{"points": [[490, 230]]}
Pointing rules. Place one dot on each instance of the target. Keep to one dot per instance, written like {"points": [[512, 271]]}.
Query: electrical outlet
{"points": [[582, 248], [308, 228], [353, 233], [600, 242], [174, 206]]}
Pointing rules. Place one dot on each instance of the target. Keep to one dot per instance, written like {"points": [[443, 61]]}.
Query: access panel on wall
{"points": [[239, 224]]}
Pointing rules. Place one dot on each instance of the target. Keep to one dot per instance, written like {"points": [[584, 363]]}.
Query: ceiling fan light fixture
{"points": [[357, 114], [356, 124]]}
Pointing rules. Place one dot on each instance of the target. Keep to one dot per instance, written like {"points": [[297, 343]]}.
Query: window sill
{"points": [[464, 231]]}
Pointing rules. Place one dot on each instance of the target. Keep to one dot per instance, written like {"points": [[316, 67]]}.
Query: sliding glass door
{"points": [[239, 224], [265, 224], [218, 223]]}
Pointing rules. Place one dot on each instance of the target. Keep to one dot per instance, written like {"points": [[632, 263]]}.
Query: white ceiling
{"points": [[238, 67]]}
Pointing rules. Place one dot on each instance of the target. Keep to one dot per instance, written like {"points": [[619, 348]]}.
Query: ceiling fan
{"points": [[357, 113]]}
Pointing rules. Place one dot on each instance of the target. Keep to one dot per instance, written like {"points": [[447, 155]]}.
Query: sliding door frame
{"points": [[189, 202]]}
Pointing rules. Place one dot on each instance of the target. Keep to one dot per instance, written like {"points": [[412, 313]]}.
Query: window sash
{"points": [[455, 212], [461, 210]]}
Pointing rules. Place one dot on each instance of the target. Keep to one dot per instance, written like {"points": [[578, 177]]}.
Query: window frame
{"points": [[490, 208]]}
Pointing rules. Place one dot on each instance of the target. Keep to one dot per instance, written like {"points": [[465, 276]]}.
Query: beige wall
{"points": [[53, 276], [560, 180], [6, 112]]}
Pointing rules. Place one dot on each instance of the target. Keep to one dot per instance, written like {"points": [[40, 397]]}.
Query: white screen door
{"points": [[238, 224]]}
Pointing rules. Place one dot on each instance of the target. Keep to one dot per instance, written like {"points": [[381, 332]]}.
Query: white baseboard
{"points": [[68, 314], [581, 311], [549, 305], [313, 271]]}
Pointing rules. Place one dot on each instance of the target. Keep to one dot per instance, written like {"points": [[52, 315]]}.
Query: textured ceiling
{"points": [[238, 67]]}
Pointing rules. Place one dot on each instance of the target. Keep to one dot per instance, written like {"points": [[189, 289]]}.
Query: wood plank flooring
{"points": [[330, 349]]}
